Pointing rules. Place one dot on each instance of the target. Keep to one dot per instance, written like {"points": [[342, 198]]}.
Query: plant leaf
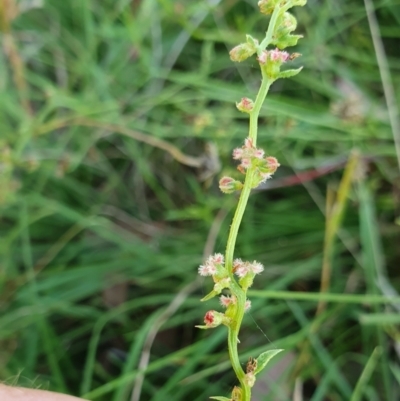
{"points": [[264, 358], [221, 398], [289, 73], [210, 295], [203, 327]]}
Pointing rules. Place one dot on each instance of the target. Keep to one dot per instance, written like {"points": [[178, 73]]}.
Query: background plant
{"points": [[86, 198]]}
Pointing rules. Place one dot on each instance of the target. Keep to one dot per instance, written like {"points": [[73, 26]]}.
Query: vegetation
{"points": [[115, 118]]}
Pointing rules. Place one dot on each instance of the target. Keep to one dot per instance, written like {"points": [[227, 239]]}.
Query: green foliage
{"points": [[264, 358], [91, 211]]}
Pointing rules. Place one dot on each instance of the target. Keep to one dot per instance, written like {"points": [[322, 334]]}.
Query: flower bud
{"points": [[262, 58], [228, 185], [246, 163], [237, 394], [248, 143], [271, 61], [242, 52], [245, 105], [272, 163], [278, 56], [227, 300], [237, 153], [214, 319], [267, 6], [259, 153]]}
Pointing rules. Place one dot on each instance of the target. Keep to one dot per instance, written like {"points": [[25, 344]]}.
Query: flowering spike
{"points": [[236, 276]]}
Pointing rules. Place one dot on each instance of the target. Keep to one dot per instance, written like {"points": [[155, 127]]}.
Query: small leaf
{"points": [[221, 398], [210, 295], [204, 327], [264, 358], [289, 73], [286, 41]]}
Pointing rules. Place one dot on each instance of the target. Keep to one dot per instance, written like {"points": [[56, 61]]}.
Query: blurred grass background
{"points": [[115, 118]]}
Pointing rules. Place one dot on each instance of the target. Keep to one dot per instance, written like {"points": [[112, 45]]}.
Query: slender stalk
{"points": [[240, 294], [262, 93], [271, 28]]}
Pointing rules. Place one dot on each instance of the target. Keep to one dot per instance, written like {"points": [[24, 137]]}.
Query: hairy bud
{"points": [[229, 185], [242, 52], [245, 105]]}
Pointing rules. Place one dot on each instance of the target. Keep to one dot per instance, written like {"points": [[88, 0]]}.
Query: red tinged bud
{"points": [[272, 163], [229, 185], [245, 105], [214, 319]]}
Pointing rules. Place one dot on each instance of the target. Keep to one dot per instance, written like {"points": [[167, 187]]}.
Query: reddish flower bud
{"points": [[237, 153], [217, 258], [209, 318], [246, 163], [278, 56], [227, 300], [237, 263], [228, 185], [262, 58], [214, 319], [245, 105], [272, 163], [248, 143], [259, 153]]}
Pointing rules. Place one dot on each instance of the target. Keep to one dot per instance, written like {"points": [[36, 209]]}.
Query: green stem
{"points": [[271, 28], [238, 292], [262, 93]]}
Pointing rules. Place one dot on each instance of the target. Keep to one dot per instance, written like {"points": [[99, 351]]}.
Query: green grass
{"points": [[97, 190]]}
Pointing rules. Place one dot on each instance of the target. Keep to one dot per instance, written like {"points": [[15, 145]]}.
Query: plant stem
{"points": [[238, 292], [262, 93], [271, 28]]}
